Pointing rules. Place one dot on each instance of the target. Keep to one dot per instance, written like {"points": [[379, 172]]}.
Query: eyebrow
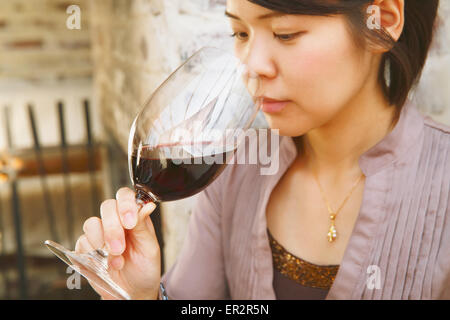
{"points": [[261, 17]]}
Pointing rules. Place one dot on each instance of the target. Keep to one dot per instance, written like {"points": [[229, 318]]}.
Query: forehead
{"points": [[248, 12], [247, 9]]}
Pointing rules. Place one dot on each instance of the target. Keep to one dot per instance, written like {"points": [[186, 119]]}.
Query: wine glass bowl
{"points": [[191, 126]]}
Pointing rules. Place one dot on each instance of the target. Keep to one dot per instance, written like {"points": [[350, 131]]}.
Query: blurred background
{"points": [[69, 91]]}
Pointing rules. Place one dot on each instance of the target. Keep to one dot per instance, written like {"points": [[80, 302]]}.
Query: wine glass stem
{"points": [[142, 197]]}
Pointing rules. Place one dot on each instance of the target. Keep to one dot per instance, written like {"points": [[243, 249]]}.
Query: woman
{"points": [[359, 206]]}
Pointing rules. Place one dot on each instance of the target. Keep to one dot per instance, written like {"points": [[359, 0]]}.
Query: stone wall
{"points": [[138, 43], [432, 93], [36, 43], [43, 61]]}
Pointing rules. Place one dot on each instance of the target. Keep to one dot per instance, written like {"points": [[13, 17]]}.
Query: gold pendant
{"points": [[332, 234]]}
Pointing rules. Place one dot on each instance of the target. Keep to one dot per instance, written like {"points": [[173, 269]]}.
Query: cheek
{"points": [[327, 72]]}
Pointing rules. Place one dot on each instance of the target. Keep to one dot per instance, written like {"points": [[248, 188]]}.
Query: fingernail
{"points": [[116, 246], [128, 220], [149, 206]]}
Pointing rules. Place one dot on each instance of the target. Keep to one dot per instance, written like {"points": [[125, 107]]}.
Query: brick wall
{"points": [[36, 44], [42, 61]]}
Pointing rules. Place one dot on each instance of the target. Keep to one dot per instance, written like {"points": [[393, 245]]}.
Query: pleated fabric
{"points": [[400, 241]]}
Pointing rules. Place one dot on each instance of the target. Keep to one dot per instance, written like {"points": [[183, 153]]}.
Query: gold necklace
{"points": [[332, 233]]}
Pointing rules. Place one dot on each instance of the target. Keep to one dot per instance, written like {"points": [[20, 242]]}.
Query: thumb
{"points": [[144, 226]]}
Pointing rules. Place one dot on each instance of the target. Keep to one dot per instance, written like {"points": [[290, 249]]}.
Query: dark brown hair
{"points": [[406, 57]]}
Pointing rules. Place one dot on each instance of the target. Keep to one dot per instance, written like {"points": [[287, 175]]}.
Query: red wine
{"points": [[168, 179]]}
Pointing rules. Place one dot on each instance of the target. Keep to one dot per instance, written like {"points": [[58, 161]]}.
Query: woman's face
{"points": [[310, 63]]}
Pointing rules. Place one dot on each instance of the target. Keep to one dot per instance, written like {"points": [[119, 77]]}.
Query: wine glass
{"points": [[181, 140]]}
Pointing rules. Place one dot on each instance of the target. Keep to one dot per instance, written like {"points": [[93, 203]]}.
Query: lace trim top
{"points": [[303, 272]]}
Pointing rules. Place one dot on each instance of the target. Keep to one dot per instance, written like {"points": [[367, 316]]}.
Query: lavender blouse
{"points": [[399, 247]]}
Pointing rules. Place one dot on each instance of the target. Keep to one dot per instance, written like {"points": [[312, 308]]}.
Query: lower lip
{"points": [[273, 107]]}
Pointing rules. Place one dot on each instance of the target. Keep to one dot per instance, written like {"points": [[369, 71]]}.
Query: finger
{"points": [[83, 245], [117, 262], [93, 229], [125, 194], [113, 232], [127, 207], [143, 236], [143, 219]]}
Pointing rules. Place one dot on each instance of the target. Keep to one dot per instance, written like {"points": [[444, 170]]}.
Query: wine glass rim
{"points": [[195, 54]]}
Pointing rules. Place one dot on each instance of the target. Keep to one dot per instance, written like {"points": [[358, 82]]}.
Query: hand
{"points": [[134, 254]]}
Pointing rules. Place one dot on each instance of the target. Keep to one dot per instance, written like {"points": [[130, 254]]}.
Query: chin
{"points": [[286, 127], [287, 131]]}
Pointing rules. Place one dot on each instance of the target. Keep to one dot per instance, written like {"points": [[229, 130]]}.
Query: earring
{"points": [[387, 72]]}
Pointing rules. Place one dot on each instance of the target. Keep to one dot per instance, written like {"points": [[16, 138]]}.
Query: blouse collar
{"points": [[404, 135]]}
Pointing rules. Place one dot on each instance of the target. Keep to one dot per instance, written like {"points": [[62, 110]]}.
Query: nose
{"points": [[259, 59]]}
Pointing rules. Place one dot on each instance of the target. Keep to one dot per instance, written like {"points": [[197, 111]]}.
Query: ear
{"points": [[392, 16]]}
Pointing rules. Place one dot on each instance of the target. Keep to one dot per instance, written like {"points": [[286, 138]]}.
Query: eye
{"points": [[242, 36], [287, 37]]}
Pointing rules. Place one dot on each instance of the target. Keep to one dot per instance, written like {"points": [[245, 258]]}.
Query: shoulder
{"points": [[436, 141], [432, 171], [435, 126], [432, 150], [434, 137]]}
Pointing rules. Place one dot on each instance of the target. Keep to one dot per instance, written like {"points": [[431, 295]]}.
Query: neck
{"points": [[334, 148]]}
